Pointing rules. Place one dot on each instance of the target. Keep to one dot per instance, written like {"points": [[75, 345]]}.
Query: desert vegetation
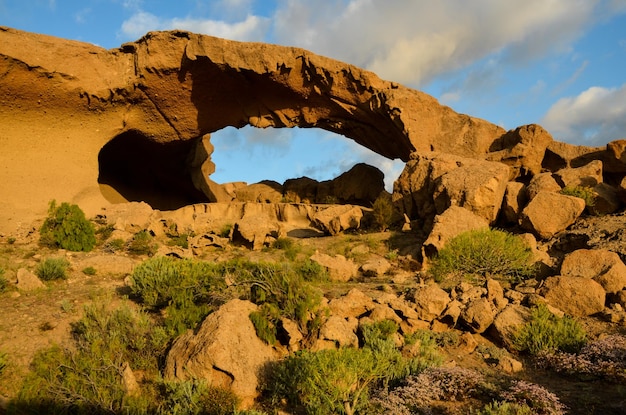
{"points": [[114, 359]]}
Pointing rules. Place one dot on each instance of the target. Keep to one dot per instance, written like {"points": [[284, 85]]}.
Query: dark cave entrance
{"points": [[140, 169]]}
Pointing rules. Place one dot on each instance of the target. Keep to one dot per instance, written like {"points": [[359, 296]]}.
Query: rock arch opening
{"points": [[251, 155], [133, 167]]}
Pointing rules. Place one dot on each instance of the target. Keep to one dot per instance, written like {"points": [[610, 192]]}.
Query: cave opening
{"points": [[133, 167]]}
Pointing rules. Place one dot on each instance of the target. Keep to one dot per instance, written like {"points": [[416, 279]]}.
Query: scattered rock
{"points": [[576, 296], [507, 323], [354, 304], [430, 301], [225, 351], [376, 267], [588, 175], [336, 219], [340, 331], [543, 182], [478, 315], [549, 213], [454, 221], [27, 281], [339, 268], [601, 265]]}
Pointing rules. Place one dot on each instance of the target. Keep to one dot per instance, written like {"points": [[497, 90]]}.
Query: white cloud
{"points": [[413, 42], [253, 28], [594, 117]]}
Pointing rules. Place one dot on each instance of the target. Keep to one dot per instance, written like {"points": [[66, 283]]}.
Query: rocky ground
{"points": [[33, 318]]}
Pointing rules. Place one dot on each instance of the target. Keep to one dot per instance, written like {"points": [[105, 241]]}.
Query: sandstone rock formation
{"points": [[135, 119]]}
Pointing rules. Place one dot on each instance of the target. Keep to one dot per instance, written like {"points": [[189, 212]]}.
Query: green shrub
{"points": [[52, 269], [382, 210], [115, 245], [225, 230], [585, 193], [66, 227], [181, 240], [142, 244], [264, 321], [87, 378], [337, 381], [505, 408], [11, 240], [547, 332], [89, 271], [287, 245], [195, 397], [484, 252], [381, 330], [188, 290], [104, 232]]}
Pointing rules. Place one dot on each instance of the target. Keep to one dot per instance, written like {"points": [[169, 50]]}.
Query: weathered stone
{"points": [[588, 175], [576, 296], [422, 177], [254, 231], [430, 301], [27, 281], [549, 213], [292, 334], [507, 323], [405, 308], [339, 268], [384, 312], [561, 155], [454, 221], [301, 190], [225, 351], [523, 149], [543, 182], [130, 217], [515, 199], [360, 185], [509, 365], [340, 331], [605, 267], [336, 219], [478, 187], [170, 88], [495, 294], [352, 305], [452, 313], [129, 380], [478, 315], [376, 267], [606, 200], [263, 192]]}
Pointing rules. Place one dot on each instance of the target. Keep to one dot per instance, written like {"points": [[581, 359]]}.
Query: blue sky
{"points": [[559, 63]]}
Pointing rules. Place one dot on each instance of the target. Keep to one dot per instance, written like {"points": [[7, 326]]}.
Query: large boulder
{"points": [[601, 265], [339, 218], [588, 175], [454, 221], [575, 296], [360, 185], [354, 304], [430, 301], [339, 267], [225, 351], [266, 191], [523, 149], [549, 213], [478, 315], [432, 182], [515, 199]]}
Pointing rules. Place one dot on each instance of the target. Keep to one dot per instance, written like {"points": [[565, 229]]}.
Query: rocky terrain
{"points": [[125, 135]]}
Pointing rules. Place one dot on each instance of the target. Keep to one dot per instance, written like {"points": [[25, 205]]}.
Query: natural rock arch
{"points": [[63, 101]]}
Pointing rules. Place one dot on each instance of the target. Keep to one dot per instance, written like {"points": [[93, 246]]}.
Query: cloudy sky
{"points": [[559, 63]]}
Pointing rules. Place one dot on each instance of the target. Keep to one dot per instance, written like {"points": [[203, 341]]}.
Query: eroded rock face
{"points": [[168, 90]]}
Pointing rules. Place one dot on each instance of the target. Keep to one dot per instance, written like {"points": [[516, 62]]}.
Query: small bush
{"points": [[181, 240], [264, 322], [142, 244], [11, 240], [417, 393], [52, 269], [547, 332], [382, 209], [381, 330], [287, 245], [195, 397], [484, 252], [505, 408], [336, 381], [89, 271], [603, 358], [114, 245], [66, 227], [585, 193], [539, 399], [225, 230]]}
